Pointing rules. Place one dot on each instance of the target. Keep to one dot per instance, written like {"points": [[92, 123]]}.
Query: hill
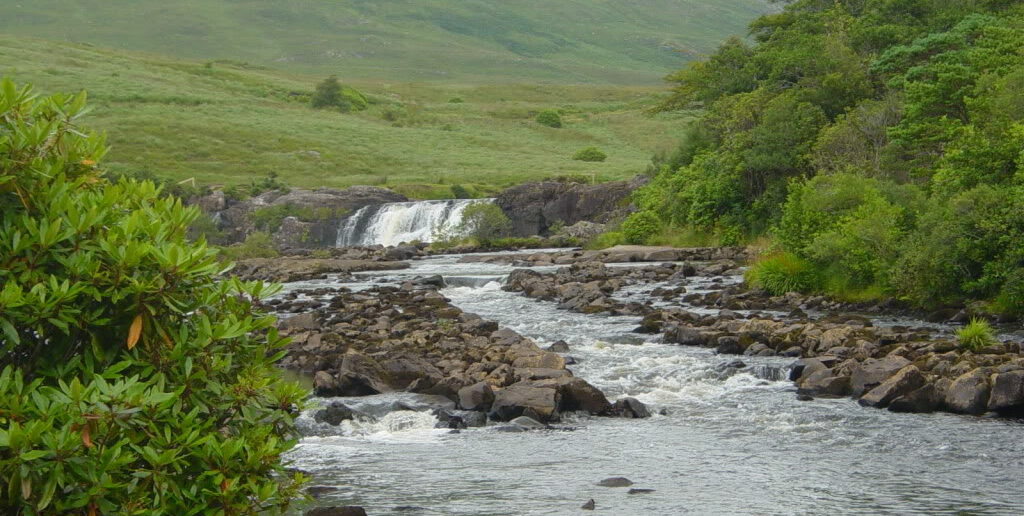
{"points": [[226, 123], [568, 41]]}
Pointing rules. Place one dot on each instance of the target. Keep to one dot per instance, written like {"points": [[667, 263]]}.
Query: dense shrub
{"points": [[461, 192], [781, 273], [256, 245], [484, 221], [550, 118], [331, 93], [590, 154], [640, 226], [132, 380]]}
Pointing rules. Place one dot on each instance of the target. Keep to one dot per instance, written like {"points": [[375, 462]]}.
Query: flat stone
{"points": [[615, 482]]}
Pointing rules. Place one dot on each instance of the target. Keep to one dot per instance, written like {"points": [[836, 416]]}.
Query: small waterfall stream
{"points": [[397, 222]]}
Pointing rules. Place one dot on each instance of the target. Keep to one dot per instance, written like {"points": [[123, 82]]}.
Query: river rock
{"points": [[969, 393], [639, 491], [685, 336], [905, 381], [528, 423], [921, 401], [1007, 392], [870, 373], [615, 482], [559, 347], [576, 394], [526, 398], [825, 382], [333, 414], [589, 506], [478, 396], [631, 408]]}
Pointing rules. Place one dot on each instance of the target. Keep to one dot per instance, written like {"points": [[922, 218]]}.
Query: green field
{"points": [[564, 41], [223, 123]]}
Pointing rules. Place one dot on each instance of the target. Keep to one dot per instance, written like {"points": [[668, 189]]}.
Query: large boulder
{"points": [[923, 400], [905, 381], [478, 396], [868, 374], [535, 207], [1007, 392], [969, 393], [531, 399]]}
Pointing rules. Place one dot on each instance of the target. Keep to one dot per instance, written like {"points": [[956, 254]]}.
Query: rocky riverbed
{"points": [[401, 358]]}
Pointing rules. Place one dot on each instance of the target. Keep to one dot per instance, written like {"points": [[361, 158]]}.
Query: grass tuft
{"points": [[781, 273], [975, 335]]}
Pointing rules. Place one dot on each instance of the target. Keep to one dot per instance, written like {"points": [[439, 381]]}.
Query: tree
{"points": [[132, 379], [331, 93], [550, 118], [484, 221]]}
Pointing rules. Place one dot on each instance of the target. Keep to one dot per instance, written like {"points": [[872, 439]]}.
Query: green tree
{"points": [[484, 221], [331, 93], [550, 118], [132, 379]]}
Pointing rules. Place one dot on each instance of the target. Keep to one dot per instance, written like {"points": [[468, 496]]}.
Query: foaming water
{"points": [[397, 222], [726, 440]]}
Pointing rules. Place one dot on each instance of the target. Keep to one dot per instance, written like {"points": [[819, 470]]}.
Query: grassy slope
{"points": [[226, 124], [598, 41]]}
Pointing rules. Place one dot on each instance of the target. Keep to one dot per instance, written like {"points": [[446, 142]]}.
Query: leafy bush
{"points": [[606, 240], [331, 93], [256, 245], [550, 118], [461, 192], [640, 226], [975, 335], [484, 221], [132, 379], [590, 154], [781, 273]]}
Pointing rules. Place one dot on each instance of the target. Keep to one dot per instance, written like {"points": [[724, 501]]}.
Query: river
{"points": [[725, 442]]}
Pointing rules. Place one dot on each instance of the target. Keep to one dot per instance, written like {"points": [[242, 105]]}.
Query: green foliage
{"points": [[606, 240], [781, 273], [975, 335], [590, 154], [640, 226], [269, 218], [550, 118], [331, 93], [461, 192], [880, 142], [256, 245], [132, 379], [483, 221]]}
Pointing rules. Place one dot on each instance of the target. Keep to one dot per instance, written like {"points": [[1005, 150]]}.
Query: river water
{"points": [[727, 442]]}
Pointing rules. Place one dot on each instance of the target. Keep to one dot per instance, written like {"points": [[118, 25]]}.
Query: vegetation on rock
{"points": [[132, 380]]}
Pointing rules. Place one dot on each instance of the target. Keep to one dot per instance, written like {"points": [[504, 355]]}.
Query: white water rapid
{"points": [[397, 222]]}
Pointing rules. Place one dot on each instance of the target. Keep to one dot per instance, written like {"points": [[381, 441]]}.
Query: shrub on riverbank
{"points": [[132, 380], [781, 273]]}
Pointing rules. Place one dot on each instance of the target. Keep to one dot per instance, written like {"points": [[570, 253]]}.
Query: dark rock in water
{"points": [[804, 397], [615, 482], [969, 393], [651, 323], [333, 414], [318, 491], [577, 394], [589, 506], [630, 408], [431, 281], [921, 401], [347, 510], [904, 382], [942, 315], [640, 491], [729, 345], [446, 419], [570, 360], [1007, 392], [735, 364], [478, 396], [559, 347]]}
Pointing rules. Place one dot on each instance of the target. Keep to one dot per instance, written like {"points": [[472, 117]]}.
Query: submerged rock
{"points": [[615, 482]]}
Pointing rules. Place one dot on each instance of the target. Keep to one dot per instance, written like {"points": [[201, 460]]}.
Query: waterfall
{"points": [[397, 222]]}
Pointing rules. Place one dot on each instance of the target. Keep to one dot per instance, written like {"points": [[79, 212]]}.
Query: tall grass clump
{"points": [[781, 273], [975, 335]]}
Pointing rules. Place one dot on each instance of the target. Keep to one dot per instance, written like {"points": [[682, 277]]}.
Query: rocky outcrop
{"points": [[298, 268], [411, 339], [535, 207], [727, 258], [329, 206]]}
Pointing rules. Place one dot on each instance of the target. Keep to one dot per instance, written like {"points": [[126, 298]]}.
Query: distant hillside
{"points": [[567, 41], [227, 123]]}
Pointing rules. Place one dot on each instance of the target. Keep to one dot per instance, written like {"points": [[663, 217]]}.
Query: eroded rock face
{"points": [[1007, 392], [905, 381], [534, 207], [969, 393]]}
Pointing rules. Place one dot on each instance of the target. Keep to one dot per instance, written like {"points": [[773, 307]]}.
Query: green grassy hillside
{"points": [[227, 124], [568, 41]]}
